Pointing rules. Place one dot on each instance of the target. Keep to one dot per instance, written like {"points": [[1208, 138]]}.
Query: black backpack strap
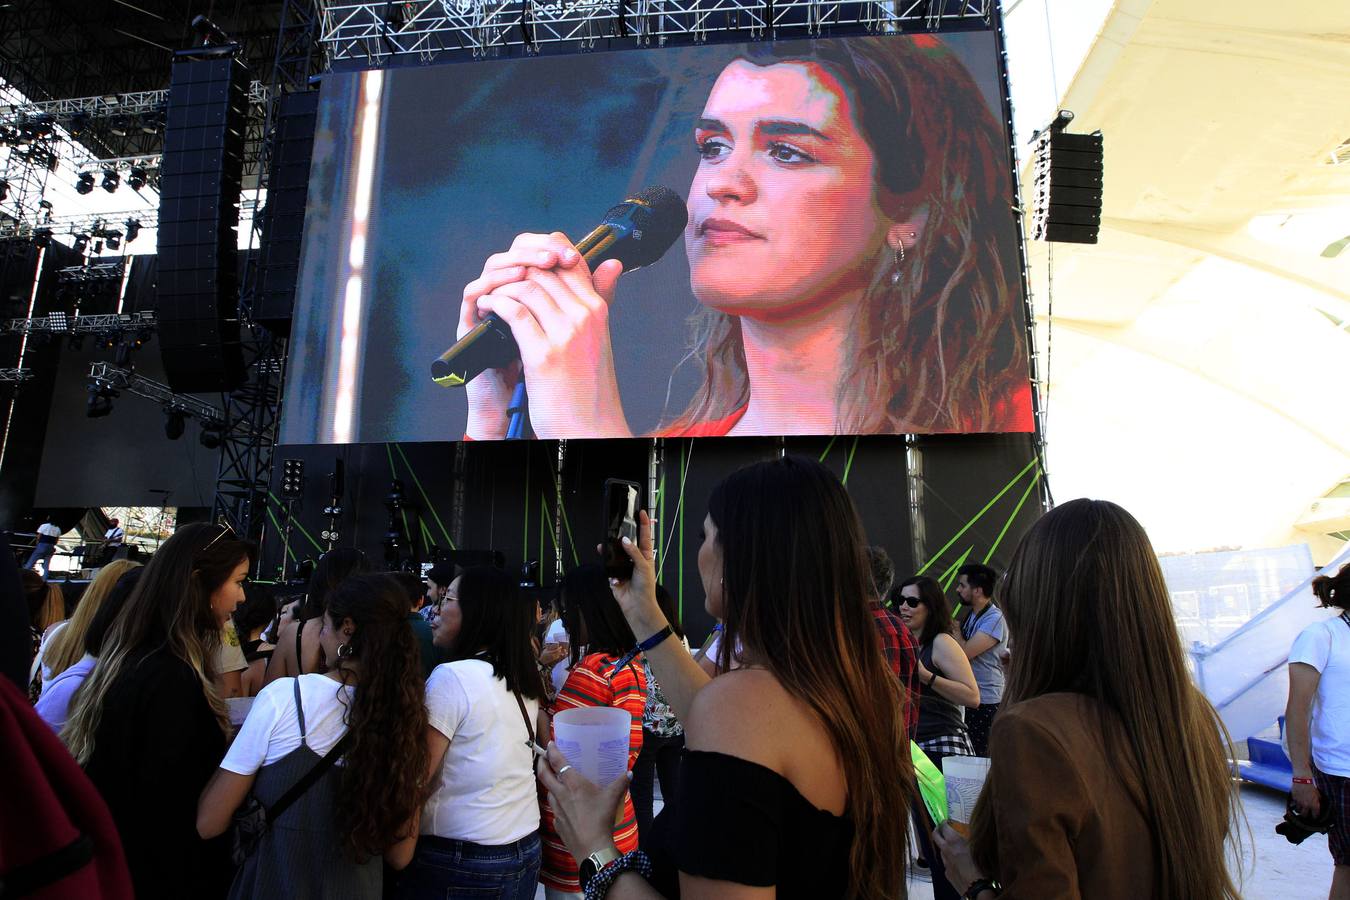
{"points": [[313, 775], [300, 712]]}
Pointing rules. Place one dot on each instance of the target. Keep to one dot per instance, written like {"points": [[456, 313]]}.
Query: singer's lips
{"points": [[726, 230]]}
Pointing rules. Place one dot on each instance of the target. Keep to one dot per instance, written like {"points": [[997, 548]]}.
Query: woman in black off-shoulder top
{"points": [[796, 775]]}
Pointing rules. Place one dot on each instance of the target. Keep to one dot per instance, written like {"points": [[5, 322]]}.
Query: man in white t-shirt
{"points": [[47, 535], [1317, 720]]}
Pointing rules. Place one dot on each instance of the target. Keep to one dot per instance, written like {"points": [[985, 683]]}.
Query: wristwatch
{"points": [[592, 864]]}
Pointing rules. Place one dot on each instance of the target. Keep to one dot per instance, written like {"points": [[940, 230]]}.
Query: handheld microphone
{"points": [[637, 232]]}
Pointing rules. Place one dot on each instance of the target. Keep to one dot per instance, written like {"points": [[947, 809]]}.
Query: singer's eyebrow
{"points": [[770, 127]]}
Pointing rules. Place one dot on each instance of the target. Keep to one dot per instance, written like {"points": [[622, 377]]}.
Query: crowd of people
{"points": [[382, 737]]}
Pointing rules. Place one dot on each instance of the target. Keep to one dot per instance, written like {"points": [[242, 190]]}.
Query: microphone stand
{"points": [[515, 429]]}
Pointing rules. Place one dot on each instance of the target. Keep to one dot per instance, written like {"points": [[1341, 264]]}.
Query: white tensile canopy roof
{"points": [[1199, 362]]}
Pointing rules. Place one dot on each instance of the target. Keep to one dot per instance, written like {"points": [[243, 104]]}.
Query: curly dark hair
{"points": [[383, 779], [1333, 590]]}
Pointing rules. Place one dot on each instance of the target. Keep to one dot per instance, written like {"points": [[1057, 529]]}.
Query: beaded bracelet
{"points": [[633, 861]]}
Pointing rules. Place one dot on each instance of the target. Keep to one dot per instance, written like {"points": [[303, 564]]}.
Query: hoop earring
{"points": [[345, 651], [898, 256]]}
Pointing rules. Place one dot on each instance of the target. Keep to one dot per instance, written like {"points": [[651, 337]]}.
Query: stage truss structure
{"points": [[423, 30], [107, 375]]}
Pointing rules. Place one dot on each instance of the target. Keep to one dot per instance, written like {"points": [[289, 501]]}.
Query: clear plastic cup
{"points": [[595, 741], [965, 776]]}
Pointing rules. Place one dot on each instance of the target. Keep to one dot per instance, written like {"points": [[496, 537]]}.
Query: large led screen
{"points": [[849, 263]]}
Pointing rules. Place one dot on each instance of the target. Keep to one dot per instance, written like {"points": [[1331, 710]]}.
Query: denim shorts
{"points": [[445, 869]]}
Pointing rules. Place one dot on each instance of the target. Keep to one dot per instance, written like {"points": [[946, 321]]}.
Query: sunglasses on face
{"points": [[911, 602]]}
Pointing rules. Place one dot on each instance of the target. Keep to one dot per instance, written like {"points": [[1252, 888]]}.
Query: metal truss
{"points": [[106, 106], [15, 376], [60, 323], [107, 375], [252, 413], [112, 271], [373, 32]]}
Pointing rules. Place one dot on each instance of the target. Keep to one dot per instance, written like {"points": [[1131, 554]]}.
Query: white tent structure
{"points": [[1197, 360]]}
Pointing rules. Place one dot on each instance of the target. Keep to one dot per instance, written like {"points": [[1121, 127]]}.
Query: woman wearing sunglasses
{"points": [[948, 685]]}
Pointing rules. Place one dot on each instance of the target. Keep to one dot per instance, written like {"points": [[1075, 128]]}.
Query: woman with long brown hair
{"points": [[1109, 772], [368, 708], [148, 724], [797, 777], [850, 209]]}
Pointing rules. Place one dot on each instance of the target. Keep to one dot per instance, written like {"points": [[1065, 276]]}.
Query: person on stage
{"points": [[47, 536], [842, 241]]}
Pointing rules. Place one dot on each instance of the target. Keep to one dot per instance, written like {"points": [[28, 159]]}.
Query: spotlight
{"points": [[137, 177], [42, 237], [293, 479], [79, 124], [99, 402], [212, 436], [114, 240], [133, 229], [4, 189], [175, 421], [81, 242], [110, 180], [120, 125], [85, 183]]}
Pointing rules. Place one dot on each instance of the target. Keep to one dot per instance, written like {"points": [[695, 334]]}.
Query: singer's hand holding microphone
{"points": [[540, 311], [558, 313]]}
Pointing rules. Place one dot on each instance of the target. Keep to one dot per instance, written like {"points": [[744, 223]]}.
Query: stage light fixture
{"points": [[175, 422], [114, 240], [79, 124], [133, 229], [120, 125], [212, 436], [292, 479], [111, 179], [4, 189], [99, 402], [85, 183], [42, 237], [137, 178], [81, 242]]}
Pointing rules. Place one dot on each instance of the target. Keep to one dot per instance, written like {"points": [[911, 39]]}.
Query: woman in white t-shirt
{"points": [[480, 828], [328, 842]]}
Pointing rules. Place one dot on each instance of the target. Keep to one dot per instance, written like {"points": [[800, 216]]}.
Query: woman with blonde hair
{"points": [[1109, 772], [149, 726], [66, 644]]}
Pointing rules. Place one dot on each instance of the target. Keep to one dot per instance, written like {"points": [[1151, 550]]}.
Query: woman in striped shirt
{"points": [[600, 637]]}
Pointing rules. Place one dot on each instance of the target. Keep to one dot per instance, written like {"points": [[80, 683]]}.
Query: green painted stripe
{"points": [[296, 523], [289, 552], [849, 464], [949, 576], [1016, 509], [828, 448], [956, 537], [562, 508], [426, 501]]}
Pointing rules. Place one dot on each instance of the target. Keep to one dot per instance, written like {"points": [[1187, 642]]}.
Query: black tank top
{"points": [[938, 716]]}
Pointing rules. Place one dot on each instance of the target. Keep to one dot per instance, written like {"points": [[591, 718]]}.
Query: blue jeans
{"points": [[444, 869], [44, 553]]}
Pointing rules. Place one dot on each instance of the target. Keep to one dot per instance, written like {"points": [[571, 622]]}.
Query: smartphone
{"points": [[622, 502]]}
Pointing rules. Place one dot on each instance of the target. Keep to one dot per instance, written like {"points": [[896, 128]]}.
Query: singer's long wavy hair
{"points": [[942, 348], [382, 780], [798, 590]]}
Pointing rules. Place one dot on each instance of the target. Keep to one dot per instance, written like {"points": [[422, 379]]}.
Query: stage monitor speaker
{"points": [[197, 291], [1067, 195], [284, 216]]}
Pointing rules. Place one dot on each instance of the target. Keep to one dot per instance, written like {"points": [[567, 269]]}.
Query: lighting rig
{"points": [[106, 382]]}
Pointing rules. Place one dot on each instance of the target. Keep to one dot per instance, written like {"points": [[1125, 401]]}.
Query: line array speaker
{"points": [[1067, 201], [284, 217], [200, 182]]}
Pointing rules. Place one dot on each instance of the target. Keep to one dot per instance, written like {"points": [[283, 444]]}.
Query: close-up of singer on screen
{"points": [[847, 246]]}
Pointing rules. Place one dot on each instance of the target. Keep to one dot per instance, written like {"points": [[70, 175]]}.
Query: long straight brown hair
{"points": [[169, 607], [798, 590], [1086, 601], [68, 645]]}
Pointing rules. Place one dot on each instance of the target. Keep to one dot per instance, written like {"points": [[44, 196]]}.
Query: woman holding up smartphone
{"points": [[796, 775], [480, 827]]}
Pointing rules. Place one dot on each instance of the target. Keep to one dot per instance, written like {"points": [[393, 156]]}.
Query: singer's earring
{"points": [[345, 651], [899, 261]]}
